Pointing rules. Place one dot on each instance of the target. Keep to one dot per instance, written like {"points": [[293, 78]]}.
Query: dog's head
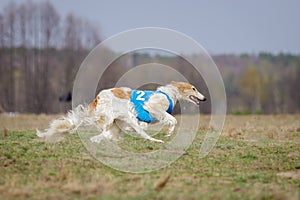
{"points": [[188, 92]]}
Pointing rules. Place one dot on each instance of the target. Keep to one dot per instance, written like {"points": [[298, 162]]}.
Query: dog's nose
{"points": [[204, 99]]}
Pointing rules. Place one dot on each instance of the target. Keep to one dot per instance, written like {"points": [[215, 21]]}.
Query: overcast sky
{"points": [[228, 26]]}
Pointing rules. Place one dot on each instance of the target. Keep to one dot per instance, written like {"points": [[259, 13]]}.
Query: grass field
{"points": [[257, 157]]}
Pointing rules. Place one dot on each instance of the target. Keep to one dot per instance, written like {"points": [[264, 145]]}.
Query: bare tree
{"points": [[2, 32], [73, 46], [11, 23], [79, 36], [22, 18], [91, 35], [49, 24], [2, 61]]}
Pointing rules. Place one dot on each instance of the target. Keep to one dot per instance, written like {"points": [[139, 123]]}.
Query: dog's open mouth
{"points": [[195, 99]]}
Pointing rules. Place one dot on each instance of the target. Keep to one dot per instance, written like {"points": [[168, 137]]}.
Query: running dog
{"points": [[123, 106]]}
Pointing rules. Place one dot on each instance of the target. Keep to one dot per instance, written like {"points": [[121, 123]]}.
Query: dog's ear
{"points": [[174, 83], [178, 85]]}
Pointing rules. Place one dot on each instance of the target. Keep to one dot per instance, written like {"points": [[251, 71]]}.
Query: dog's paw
{"points": [[143, 125], [97, 138], [170, 132], [156, 140], [168, 135]]}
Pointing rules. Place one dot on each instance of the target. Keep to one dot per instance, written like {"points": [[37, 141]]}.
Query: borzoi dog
{"points": [[126, 107]]}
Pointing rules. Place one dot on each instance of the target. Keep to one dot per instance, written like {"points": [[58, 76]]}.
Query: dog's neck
{"points": [[171, 91]]}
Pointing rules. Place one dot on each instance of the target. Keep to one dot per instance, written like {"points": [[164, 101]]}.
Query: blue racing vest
{"points": [[139, 97]]}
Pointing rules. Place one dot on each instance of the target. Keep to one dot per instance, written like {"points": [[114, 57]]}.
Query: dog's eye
{"points": [[194, 89]]}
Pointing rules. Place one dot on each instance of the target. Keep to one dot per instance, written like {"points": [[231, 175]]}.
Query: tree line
{"points": [[40, 53], [263, 83]]}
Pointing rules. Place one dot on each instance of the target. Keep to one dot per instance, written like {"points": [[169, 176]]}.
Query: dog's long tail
{"points": [[68, 123]]}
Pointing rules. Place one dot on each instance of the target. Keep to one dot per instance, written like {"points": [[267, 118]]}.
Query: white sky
{"points": [[231, 26]]}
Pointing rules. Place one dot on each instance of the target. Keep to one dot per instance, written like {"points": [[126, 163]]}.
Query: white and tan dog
{"points": [[126, 107]]}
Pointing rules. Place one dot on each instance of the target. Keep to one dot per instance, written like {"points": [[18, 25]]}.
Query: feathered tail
{"points": [[79, 116]]}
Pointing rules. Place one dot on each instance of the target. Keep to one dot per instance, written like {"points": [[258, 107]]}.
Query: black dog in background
{"points": [[66, 97]]}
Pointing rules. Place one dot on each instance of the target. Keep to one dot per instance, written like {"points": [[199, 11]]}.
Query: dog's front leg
{"points": [[164, 118], [133, 122], [170, 121], [141, 132]]}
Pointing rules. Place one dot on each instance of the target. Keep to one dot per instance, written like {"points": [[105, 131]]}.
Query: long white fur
{"points": [[109, 111]]}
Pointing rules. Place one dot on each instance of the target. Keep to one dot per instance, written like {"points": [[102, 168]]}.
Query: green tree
{"points": [[251, 90]]}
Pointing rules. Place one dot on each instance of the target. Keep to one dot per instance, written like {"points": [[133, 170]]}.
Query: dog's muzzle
{"points": [[196, 100]]}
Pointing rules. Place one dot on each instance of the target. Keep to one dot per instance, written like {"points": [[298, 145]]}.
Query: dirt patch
{"points": [[17, 122], [290, 174]]}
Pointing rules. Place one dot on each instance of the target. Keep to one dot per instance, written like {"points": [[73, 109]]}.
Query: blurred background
{"points": [[255, 44]]}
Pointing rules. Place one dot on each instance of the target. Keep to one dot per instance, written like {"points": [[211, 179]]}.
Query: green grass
{"points": [[235, 169]]}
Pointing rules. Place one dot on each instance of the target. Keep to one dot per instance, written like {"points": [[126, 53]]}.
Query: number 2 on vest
{"points": [[140, 95]]}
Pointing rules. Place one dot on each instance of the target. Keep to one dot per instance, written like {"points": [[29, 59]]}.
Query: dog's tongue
{"points": [[195, 99]]}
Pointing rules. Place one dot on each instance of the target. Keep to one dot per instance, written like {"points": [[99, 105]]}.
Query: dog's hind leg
{"points": [[109, 129], [111, 133]]}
